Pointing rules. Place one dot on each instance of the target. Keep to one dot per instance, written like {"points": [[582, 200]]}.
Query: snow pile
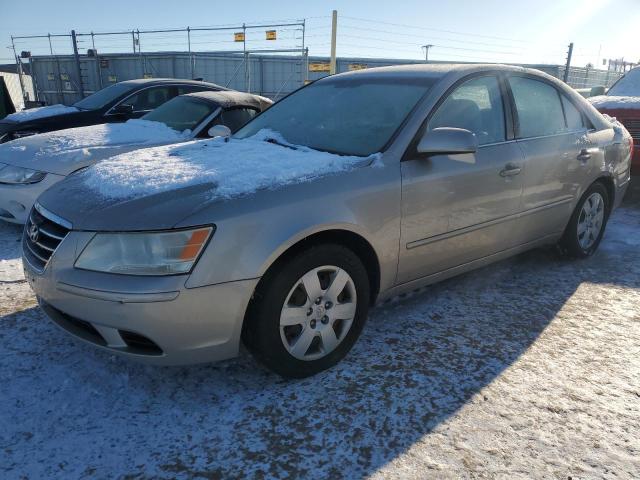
{"points": [[613, 102], [235, 167], [41, 112], [132, 132]]}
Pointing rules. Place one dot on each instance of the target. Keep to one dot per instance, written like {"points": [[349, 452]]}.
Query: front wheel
{"points": [[308, 313], [586, 227]]}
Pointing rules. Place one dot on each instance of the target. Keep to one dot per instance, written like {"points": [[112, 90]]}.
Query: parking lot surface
{"points": [[527, 368]]}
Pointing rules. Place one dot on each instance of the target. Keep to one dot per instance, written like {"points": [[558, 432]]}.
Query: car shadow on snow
{"points": [[419, 360]]}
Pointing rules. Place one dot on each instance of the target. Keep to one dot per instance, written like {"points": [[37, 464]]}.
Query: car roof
{"points": [[161, 81], [433, 70], [230, 98]]}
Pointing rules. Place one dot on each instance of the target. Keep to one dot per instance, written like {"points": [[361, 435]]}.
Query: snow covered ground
{"points": [[528, 368]]}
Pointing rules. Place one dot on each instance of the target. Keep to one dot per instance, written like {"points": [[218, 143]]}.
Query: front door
{"points": [[456, 209]]}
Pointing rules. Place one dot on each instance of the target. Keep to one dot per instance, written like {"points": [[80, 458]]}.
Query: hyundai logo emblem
{"points": [[33, 232]]}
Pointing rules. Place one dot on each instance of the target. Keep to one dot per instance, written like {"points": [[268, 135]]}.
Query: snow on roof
{"points": [[627, 86], [234, 167], [40, 112], [613, 102], [625, 93]]}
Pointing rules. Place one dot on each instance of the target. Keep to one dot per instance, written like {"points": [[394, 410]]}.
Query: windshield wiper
{"points": [[277, 142]]}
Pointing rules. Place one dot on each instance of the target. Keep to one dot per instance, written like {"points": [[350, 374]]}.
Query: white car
{"points": [[30, 165]]}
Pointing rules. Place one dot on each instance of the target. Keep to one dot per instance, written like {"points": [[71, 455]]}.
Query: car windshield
{"points": [[343, 115], [182, 113], [627, 86], [102, 97]]}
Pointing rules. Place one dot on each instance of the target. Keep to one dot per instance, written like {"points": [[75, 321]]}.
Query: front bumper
{"points": [[16, 200], [156, 320]]}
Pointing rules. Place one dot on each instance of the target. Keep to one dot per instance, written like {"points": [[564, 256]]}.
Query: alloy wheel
{"points": [[591, 220]]}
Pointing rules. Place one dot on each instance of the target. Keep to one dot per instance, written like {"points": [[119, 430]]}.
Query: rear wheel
{"points": [[308, 313], [586, 227]]}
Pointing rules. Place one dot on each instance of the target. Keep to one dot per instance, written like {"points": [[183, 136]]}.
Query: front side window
{"points": [[182, 113], [150, 98], [103, 97], [343, 115], [538, 106], [476, 106]]}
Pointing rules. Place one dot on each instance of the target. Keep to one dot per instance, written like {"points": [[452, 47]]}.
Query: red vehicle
{"points": [[623, 102]]}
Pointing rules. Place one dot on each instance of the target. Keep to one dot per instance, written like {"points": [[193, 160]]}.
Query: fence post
{"points": [[568, 66], [77, 59], [19, 68], [191, 60]]}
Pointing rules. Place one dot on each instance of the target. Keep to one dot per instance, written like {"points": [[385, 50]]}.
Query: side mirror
{"points": [[448, 141], [123, 109], [219, 131], [598, 90]]}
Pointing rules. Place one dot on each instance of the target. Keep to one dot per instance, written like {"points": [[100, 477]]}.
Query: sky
{"points": [[516, 31]]}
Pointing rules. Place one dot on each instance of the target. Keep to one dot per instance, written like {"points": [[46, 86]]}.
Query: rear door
{"points": [[552, 135], [456, 209]]}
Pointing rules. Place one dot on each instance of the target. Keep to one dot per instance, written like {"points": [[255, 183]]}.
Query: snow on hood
{"points": [[613, 102], [41, 112], [233, 168], [61, 150]]}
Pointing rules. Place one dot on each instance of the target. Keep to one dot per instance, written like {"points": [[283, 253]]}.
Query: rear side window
{"points": [[538, 106], [150, 98], [572, 114], [235, 118], [476, 106]]}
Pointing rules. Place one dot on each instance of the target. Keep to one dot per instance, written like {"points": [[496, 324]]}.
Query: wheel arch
{"points": [[607, 182], [350, 239]]}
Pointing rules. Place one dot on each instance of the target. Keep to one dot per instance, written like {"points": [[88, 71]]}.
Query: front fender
{"points": [[252, 232]]}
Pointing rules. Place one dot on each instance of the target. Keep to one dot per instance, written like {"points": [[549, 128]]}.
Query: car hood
{"points": [[64, 151], [156, 188]]}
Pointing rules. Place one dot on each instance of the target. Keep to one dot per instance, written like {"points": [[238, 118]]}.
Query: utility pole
{"points": [[426, 52], [568, 65], [334, 31]]}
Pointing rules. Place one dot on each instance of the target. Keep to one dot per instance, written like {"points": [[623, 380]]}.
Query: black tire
{"points": [[570, 243], [261, 329]]}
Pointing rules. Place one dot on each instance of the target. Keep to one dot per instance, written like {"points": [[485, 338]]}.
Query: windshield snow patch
{"points": [[234, 167], [41, 112]]}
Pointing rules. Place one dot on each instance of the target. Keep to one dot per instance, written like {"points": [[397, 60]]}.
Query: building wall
{"points": [[57, 79]]}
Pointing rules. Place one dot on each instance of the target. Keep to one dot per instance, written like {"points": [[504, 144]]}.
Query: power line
{"points": [[453, 32]]}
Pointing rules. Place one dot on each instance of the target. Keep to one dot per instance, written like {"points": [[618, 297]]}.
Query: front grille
{"points": [[633, 125], [41, 237]]}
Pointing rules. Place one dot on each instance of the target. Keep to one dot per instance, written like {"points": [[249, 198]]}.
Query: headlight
{"points": [[17, 175], [157, 253]]}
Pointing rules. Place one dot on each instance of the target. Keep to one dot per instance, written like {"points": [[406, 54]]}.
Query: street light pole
{"points": [[426, 52]]}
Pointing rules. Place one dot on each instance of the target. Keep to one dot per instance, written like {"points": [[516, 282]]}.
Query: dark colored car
{"points": [[116, 103]]}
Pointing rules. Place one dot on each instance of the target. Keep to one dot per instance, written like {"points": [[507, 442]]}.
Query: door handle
{"points": [[510, 170], [584, 155]]}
